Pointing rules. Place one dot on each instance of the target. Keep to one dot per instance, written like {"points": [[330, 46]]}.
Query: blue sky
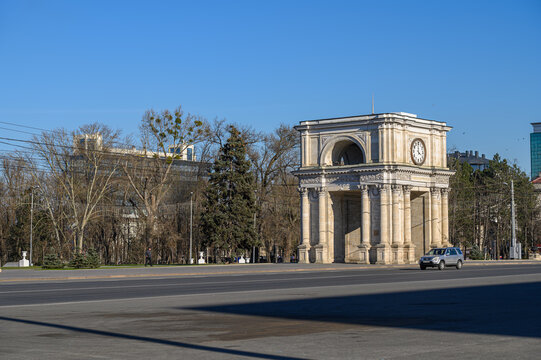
{"points": [[473, 64]]}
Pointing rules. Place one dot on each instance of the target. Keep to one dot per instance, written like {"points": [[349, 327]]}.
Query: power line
{"points": [[44, 130], [106, 152], [24, 126], [32, 151], [20, 131]]}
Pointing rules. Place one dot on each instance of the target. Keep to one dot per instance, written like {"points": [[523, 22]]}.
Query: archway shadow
{"points": [[496, 309], [232, 352]]}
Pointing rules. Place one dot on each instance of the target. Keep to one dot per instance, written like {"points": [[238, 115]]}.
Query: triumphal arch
{"points": [[374, 188]]}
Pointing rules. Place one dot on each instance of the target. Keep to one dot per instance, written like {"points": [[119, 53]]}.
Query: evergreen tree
{"points": [[227, 222]]}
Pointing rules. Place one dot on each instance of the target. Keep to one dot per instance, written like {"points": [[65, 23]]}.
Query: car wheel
{"points": [[459, 264], [441, 265], [423, 267]]}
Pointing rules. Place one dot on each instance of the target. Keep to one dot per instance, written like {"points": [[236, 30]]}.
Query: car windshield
{"points": [[436, 252]]}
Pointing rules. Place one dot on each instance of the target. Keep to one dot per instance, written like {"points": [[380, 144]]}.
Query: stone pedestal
{"points": [[383, 254], [364, 254], [397, 254], [409, 254], [321, 254], [304, 254], [201, 260], [24, 262]]}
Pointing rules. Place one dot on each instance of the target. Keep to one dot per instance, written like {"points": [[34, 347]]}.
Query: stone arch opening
{"points": [[346, 152], [343, 150]]}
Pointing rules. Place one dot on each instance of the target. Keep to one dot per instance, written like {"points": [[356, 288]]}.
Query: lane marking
{"points": [[315, 277], [438, 282], [276, 271], [279, 271], [123, 276], [197, 284]]}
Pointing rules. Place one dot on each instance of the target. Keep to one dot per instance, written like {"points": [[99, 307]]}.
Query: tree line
{"points": [[92, 190], [480, 209]]}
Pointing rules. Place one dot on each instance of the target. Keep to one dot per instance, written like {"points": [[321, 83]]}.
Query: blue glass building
{"points": [[535, 149]]}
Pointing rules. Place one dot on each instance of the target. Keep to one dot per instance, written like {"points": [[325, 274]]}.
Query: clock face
{"points": [[418, 152]]}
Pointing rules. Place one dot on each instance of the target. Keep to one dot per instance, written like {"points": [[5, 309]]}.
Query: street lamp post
{"points": [[191, 225], [31, 221], [255, 228], [514, 251]]}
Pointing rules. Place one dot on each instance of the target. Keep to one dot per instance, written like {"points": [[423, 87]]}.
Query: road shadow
{"points": [[496, 309], [409, 269], [232, 352]]}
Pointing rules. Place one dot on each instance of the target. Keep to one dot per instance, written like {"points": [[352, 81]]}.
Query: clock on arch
{"points": [[418, 151]]}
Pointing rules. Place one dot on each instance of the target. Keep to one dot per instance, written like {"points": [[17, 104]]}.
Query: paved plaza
{"points": [[273, 311]]}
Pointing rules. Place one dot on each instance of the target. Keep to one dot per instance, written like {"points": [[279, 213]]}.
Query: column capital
{"points": [[302, 190], [364, 188], [406, 189], [434, 191], [383, 187], [322, 190], [444, 191], [397, 189]]}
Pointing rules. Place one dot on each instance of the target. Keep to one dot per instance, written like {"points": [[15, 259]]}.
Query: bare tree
{"points": [[215, 135], [277, 155], [81, 171], [274, 159], [164, 136], [14, 184]]}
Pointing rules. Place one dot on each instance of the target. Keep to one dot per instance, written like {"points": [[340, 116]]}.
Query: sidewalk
{"points": [[31, 275]]}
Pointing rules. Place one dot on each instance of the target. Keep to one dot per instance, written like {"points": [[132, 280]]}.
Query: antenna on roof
{"points": [[372, 103]]}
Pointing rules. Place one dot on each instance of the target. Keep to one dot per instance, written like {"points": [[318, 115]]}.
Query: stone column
{"points": [[321, 247], [435, 220], [396, 215], [407, 214], [445, 217], [409, 248], [364, 248], [384, 248], [304, 247], [398, 239]]}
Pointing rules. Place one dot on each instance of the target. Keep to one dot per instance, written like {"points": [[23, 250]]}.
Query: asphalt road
{"points": [[279, 313], [47, 292]]}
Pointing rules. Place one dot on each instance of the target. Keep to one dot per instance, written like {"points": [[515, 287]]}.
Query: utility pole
{"points": [[253, 247], [255, 228], [31, 221], [191, 225], [514, 252]]}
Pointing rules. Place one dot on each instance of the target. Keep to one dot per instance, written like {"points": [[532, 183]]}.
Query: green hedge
{"points": [[51, 261], [90, 260]]}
